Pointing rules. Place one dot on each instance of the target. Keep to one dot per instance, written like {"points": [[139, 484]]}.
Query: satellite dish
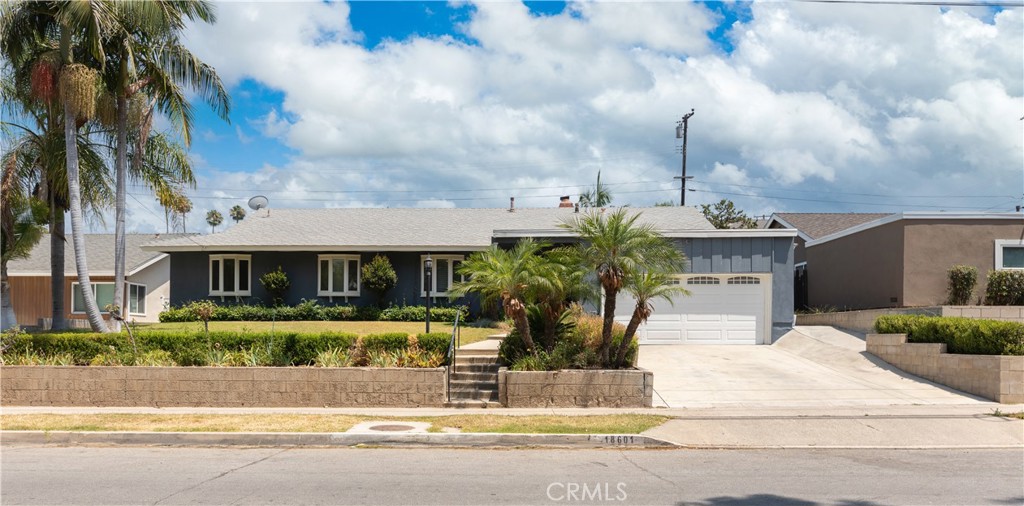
{"points": [[258, 202]]}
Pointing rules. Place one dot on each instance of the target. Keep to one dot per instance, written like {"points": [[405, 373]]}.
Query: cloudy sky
{"points": [[799, 106]]}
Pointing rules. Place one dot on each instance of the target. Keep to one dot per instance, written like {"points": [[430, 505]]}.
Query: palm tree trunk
{"points": [[58, 316], [606, 329], [121, 169], [77, 224], [627, 339], [523, 324], [8, 319]]}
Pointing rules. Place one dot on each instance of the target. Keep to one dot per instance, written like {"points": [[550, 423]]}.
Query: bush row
{"points": [[311, 310], [575, 347], [961, 335], [198, 349]]}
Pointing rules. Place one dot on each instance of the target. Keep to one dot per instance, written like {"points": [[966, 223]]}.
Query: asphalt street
{"points": [[148, 475]]}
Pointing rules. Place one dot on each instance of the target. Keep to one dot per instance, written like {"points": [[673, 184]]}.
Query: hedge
{"points": [[311, 310], [1005, 288], [962, 335], [192, 348]]}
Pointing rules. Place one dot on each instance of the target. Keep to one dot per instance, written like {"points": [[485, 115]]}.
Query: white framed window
{"points": [[102, 292], [703, 280], [338, 275], [136, 299], [743, 280], [442, 274], [230, 274], [1009, 254]]}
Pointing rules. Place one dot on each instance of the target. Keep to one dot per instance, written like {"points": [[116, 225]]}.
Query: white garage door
{"points": [[721, 309]]}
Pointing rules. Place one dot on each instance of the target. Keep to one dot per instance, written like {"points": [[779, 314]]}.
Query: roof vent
{"points": [[564, 201], [511, 204]]}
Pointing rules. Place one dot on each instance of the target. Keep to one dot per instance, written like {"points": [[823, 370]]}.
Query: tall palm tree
{"points": [[617, 248], [22, 220], [150, 58], [511, 275], [598, 196], [645, 287], [237, 213], [79, 24], [214, 218]]}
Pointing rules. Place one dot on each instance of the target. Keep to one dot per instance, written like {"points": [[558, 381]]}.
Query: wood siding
{"points": [[32, 299]]}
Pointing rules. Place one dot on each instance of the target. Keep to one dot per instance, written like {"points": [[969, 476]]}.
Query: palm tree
{"points": [[237, 213], [598, 196], [645, 287], [149, 57], [22, 220], [214, 218], [180, 208], [617, 248], [81, 24], [511, 275]]}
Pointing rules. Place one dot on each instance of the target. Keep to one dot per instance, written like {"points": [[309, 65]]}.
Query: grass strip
{"points": [[133, 422]]}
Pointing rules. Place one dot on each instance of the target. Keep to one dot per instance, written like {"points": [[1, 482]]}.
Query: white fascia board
{"points": [[146, 264], [313, 248], [674, 234], [914, 215], [784, 223]]}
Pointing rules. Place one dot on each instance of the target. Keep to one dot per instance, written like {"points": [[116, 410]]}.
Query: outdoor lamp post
{"points": [[428, 274]]}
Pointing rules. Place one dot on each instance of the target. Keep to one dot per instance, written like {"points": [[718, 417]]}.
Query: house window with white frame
{"points": [[338, 275], [443, 274], [230, 275], [103, 293], [136, 299], [1009, 254]]}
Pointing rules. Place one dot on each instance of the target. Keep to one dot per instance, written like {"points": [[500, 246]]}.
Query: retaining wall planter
{"points": [[221, 386], [630, 388], [995, 377], [864, 320]]}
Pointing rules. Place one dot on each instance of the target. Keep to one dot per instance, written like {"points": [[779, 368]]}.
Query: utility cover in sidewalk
{"points": [[385, 426]]}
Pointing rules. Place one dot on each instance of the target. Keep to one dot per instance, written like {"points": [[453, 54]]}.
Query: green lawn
{"points": [[469, 334]]}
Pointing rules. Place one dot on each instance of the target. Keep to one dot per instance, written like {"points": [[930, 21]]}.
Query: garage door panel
{"points": [[663, 336]]}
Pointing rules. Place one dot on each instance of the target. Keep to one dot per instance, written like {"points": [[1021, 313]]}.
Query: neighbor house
{"points": [[862, 261], [147, 285], [741, 280]]}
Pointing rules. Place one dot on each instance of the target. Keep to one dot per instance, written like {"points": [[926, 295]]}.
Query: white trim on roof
{"points": [[914, 215], [314, 248], [776, 219], [674, 234], [146, 264]]}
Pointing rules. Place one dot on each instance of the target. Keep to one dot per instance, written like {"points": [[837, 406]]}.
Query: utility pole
{"points": [[681, 127]]}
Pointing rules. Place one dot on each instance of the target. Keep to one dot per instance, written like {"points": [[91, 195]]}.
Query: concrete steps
{"points": [[474, 379]]}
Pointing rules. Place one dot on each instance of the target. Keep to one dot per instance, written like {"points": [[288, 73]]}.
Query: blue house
{"points": [[741, 281]]}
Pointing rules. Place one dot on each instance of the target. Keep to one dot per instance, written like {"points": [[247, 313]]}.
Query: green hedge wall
{"points": [[311, 310], [961, 335]]}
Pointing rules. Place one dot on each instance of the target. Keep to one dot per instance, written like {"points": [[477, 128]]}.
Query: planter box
{"points": [[996, 377], [630, 388], [864, 320], [221, 386]]}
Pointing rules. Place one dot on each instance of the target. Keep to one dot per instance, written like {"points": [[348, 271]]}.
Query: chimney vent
{"points": [[577, 207], [511, 204], [564, 202]]}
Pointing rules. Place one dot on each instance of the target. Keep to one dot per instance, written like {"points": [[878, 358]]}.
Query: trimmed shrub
{"points": [[276, 283], [961, 335], [962, 280], [309, 310], [1005, 288], [379, 276], [434, 342], [306, 347], [387, 342], [419, 313]]}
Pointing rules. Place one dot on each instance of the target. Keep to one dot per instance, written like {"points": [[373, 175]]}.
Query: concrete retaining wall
{"points": [[576, 388], [864, 320], [221, 386], [995, 377]]}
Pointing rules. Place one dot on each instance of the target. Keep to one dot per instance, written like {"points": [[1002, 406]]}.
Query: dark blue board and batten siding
{"points": [[762, 255], [190, 275]]}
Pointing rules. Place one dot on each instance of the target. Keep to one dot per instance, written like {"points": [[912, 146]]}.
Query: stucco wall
{"points": [[221, 386], [932, 247], [156, 277], [858, 271]]}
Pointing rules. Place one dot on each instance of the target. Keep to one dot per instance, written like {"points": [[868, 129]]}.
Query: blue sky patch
{"points": [[380, 21]]}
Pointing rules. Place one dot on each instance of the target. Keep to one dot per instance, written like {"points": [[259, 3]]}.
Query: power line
{"points": [[913, 2], [836, 201], [857, 194]]}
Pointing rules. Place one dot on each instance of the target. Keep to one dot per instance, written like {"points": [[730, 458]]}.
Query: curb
{"points": [[339, 439]]}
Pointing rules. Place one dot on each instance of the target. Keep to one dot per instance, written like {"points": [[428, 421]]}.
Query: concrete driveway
{"points": [[808, 367]]}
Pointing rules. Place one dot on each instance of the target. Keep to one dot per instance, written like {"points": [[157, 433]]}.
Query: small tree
{"points": [[962, 280], [276, 283], [203, 309], [214, 218], [379, 276], [725, 215], [237, 213]]}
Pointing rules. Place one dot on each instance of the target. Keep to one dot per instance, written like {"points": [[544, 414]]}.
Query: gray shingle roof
{"points": [[816, 225], [399, 228], [99, 252]]}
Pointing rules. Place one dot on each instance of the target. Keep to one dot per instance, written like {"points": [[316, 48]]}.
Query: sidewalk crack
{"points": [[221, 475]]}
